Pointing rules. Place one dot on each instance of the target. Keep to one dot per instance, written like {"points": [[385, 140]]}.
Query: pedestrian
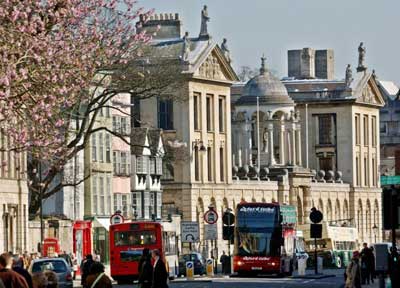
{"points": [[85, 268], [145, 270], [353, 272], [366, 263], [223, 260], [97, 278], [18, 266], [373, 272], [160, 274], [9, 277]]}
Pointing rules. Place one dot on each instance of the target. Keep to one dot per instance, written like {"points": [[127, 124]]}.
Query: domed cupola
{"points": [[267, 87]]}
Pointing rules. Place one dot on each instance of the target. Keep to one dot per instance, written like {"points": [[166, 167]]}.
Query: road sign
{"points": [[117, 218], [190, 232], [211, 216], [211, 232], [316, 216], [210, 267], [189, 270], [228, 219]]}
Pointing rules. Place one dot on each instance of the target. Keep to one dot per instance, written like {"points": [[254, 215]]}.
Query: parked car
{"points": [[58, 266], [198, 261]]}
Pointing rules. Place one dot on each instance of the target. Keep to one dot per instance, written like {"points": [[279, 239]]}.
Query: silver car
{"points": [[58, 266]]}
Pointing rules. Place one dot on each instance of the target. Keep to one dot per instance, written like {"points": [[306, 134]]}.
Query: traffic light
{"points": [[390, 205], [227, 232]]}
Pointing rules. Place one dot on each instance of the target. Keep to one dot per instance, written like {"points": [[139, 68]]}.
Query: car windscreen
{"points": [[52, 265]]}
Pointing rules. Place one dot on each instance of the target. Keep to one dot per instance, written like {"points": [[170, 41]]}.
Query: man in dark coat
{"points": [[18, 266], [145, 270], [9, 277], [85, 268], [160, 274]]}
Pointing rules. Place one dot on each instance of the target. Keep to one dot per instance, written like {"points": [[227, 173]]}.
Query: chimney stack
{"points": [[163, 25]]}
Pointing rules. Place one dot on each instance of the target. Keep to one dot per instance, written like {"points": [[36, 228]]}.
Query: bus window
{"points": [[135, 238]]}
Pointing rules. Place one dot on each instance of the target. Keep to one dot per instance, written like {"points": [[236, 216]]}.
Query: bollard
{"points": [[210, 267], [189, 270]]}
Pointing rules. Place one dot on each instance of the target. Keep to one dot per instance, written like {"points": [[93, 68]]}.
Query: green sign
{"points": [[288, 214], [390, 180]]}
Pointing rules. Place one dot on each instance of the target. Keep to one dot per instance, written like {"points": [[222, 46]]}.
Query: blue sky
{"points": [[254, 27]]}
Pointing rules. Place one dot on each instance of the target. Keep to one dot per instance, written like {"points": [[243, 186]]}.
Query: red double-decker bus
{"points": [[127, 241], [264, 239]]}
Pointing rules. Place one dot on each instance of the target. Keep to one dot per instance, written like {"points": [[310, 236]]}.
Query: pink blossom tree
{"points": [[62, 61]]}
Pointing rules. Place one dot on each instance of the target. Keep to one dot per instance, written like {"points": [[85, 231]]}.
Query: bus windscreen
{"points": [[258, 231]]}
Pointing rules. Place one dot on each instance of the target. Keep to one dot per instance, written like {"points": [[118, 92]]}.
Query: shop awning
{"points": [[101, 223]]}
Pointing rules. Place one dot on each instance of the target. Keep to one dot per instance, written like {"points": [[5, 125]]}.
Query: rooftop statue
{"points": [[186, 46], [349, 75], [361, 58], [225, 50], [204, 20]]}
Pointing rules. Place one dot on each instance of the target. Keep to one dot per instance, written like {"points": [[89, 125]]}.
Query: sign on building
{"points": [[190, 232], [211, 232]]}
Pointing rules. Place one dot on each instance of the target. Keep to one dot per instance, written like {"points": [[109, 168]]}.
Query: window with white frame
{"points": [[152, 202], [124, 203], [152, 164], [159, 170], [108, 192], [137, 204], [94, 148], [101, 148], [115, 162], [101, 199], [94, 193], [108, 148], [124, 163], [115, 203], [141, 165]]}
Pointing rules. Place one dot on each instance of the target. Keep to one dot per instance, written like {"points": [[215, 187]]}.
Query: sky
{"points": [[272, 27]]}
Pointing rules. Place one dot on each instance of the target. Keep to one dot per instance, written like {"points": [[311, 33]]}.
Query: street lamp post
{"points": [[375, 229]]}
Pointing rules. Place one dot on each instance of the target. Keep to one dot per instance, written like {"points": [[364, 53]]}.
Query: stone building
{"points": [[389, 128], [316, 126], [13, 199]]}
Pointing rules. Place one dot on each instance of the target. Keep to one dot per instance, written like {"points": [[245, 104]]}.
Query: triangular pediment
{"points": [[370, 94], [215, 67]]}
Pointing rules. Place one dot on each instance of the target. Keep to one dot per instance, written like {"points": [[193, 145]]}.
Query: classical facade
{"points": [[13, 199], [343, 158], [389, 128], [260, 154]]}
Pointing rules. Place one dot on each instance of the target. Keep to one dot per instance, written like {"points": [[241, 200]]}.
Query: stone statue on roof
{"points": [[186, 47], [361, 58], [204, 20], [225, 50], [349, 75], [265, 140]]}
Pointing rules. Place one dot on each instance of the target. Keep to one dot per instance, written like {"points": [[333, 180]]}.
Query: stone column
{"points": [[288, 147], [293, 142], [298, 134], [307, 202], [282, 143], [271, 144]]}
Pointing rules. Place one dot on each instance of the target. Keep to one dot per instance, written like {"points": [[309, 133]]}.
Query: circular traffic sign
{"points": [[209, 261], [189, 265], [211, 216], [117, 219], [316, 216], [228, 219]]}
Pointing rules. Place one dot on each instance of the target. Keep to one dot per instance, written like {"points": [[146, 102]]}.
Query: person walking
{"points": [[18, 266], [366, 262], [145, 270], [353, 272], [10, 278], [160, 274], [224, 261], [97, 278], [85, 268]]}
